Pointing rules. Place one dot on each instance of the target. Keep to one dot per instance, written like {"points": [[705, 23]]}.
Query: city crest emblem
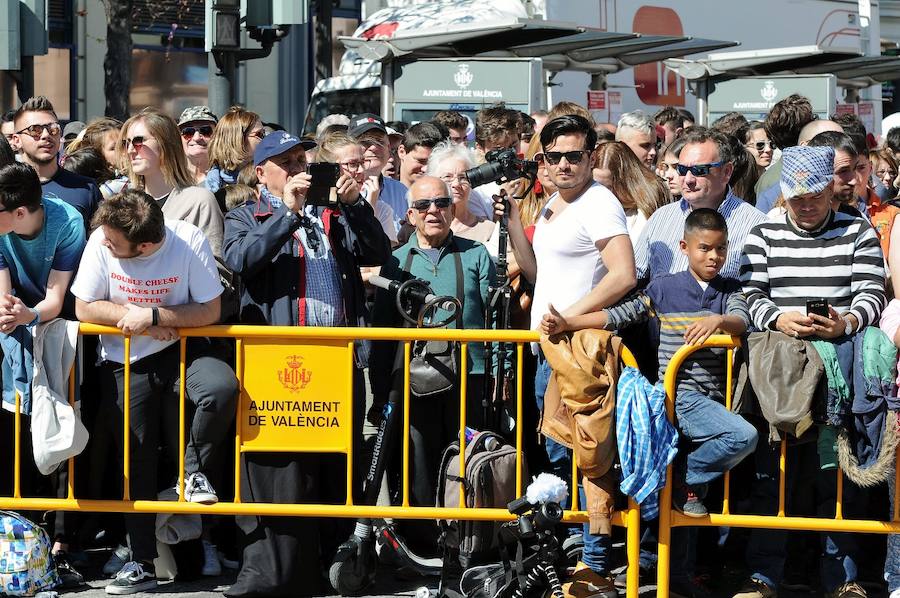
{"points": [[463, 77], [769, 92], [294, 376]]}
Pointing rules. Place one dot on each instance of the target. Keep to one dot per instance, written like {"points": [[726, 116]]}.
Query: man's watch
{"points": [[848, 327]]}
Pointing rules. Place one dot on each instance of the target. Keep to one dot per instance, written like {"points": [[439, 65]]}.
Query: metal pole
{"points": [[702, 104], [222, 69], [387, 89]]}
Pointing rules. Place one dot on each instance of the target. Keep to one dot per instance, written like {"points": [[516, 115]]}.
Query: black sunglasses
{"points": [[696, 169], [422, 205], [573, 157], [205, 130]]}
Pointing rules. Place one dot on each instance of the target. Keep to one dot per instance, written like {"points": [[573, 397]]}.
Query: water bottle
{"points": [[471, 434]]}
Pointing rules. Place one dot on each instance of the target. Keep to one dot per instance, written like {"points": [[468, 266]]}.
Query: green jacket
{"points": [[478, 271]]}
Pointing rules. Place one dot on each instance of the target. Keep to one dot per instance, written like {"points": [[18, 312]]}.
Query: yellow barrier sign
{"points": [[296, 397]]}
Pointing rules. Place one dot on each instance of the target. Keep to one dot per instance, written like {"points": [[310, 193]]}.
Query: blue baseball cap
{"points": [[276, 143]]}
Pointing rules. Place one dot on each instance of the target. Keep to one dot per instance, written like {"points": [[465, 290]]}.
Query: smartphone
{"points": [[324, 176], [818, 307]]}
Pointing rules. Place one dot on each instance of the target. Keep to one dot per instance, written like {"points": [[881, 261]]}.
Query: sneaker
{"points": [[198, 489], [116, 561], [851, 589], [895, 594], [645, 574], [134, 577], [687, 500], [585, 583], [683, 587], [756, 589], [211, 565], [69, 578]]}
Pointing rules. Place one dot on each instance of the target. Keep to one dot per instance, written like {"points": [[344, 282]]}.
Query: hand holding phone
{"points": [[818, 307], [323, 177]]}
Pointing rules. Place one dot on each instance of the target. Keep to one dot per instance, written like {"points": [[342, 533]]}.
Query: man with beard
{"points": [[848, 170], [196, 126], [38, 135]]}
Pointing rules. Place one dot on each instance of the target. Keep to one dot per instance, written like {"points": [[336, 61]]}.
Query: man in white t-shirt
{"points": [[146, 275], [582, 262]]}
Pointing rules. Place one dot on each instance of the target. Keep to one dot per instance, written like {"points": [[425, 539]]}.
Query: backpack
{"points": [[490, 481], [26, 565]]}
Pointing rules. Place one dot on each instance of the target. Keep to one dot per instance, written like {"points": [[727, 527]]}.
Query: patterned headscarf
{"points": [[806, 170]]}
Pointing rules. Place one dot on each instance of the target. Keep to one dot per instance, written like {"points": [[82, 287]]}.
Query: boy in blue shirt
{"points": [[687, 308]]}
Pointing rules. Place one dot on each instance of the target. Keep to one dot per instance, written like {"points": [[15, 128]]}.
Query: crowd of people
{"points": [[656, 229]]}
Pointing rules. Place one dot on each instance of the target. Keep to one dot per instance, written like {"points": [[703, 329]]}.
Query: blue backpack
{"points": [[26, 565]]}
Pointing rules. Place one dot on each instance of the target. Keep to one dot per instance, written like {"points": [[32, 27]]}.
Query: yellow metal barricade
{"points": [[280, 367], [669, 518]]}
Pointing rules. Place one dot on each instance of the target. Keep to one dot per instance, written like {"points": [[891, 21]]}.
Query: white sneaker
{"points": [[895, 594], [211, 565], [198, 489], [131, 579]]}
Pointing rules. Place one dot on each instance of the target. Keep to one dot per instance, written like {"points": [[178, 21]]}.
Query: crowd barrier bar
{"points": [[669, 517], [629, 518]]}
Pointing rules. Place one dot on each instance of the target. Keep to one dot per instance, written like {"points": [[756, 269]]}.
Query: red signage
{"points": [[657, 85], [596, 100]]}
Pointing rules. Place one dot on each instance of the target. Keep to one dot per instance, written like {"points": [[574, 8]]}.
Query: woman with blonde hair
{"points": [[339, 148], [155, 162], [531, 205], [638, 190], [231, 146]]}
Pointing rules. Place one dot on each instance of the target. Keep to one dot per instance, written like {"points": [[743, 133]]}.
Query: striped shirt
{"points": [[656, 251], [783, 266], [675, 302]]}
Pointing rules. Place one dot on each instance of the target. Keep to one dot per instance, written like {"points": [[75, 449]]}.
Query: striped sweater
{"points": [[672, 303], [783, 266]]}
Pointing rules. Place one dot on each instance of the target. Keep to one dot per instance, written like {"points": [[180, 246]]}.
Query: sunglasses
{"points": [[761, 145], [137, 142], [35, 131], [696, 169], [573, 157], [204, 130], [422, 205]]}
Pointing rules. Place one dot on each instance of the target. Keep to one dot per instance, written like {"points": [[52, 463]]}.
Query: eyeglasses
{"points": [[137, 142], [422, 205], [367, 143], [697, 169], [188, 132], [760, 145], [258, 133], [881, 173], [573, 157], [35, 131], [461, 179], [352, 165]]}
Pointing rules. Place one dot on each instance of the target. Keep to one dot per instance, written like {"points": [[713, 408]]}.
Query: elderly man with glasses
{"points": [[196, 126], [454, 267], [705, 162], [38, 135]]}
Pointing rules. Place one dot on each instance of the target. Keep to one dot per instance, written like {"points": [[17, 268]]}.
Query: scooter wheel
{"points": [[354, 567]]}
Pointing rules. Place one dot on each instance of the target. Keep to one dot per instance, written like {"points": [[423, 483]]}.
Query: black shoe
{"points": [[134, 577], [69, 577]]}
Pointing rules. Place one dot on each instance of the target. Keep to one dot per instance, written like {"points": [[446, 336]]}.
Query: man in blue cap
{"points": [[299, 265]]}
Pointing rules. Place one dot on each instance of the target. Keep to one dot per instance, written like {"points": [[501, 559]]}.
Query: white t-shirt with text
{"points": [[568, 262], [181, 271]]}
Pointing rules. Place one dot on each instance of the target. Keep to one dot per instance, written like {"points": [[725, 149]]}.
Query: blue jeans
{"points": [[892, 558], [766, 550], [596, 547], [718, 440]]}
